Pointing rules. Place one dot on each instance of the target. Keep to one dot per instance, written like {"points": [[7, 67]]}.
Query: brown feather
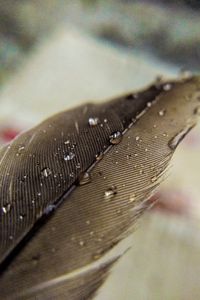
{"points": [[94, 210]]}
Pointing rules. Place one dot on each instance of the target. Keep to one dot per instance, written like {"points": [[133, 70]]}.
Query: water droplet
{"points": [[149, 104], [39, 194], [49, 208], [22, 216], [6, 208], [84, 179], [88, 222], [197, 111], [21, 148], [69, 156], [78, 166], [111, 192], [93, 121], [132, 198], [167, 87], [105, 121], [11, 237], [116, 138], [46, 172], [162, 112], [174, 142], [99, 156], [81, 243], [137, 138], [67, 142], [154, 179]]}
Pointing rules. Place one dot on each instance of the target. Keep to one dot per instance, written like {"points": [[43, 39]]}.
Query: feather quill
{"points": [[72, 187]]}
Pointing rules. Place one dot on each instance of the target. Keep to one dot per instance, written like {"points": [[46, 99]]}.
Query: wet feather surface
{"points": [[75, 184]]}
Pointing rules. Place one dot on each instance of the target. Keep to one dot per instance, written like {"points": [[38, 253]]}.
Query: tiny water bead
{"points": [[6, 208], [22, 216], [84, 179], [49, 208], [20, 150], [81, 243], [110, 192], [167, 87], [162, 112], [154, 179], [99, 156], [132, 198], [67, 142], [149, 104], [69, 156], [46, 172], [116, 138], [93, 121]]}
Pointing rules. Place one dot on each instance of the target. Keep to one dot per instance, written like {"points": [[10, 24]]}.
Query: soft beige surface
{"points": [[70, 68]]}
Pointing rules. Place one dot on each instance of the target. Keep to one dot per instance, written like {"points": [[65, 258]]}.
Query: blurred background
{"points": [[58, 54]]}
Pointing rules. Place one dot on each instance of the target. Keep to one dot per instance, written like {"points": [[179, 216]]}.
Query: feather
{"points": [[72, 187]]}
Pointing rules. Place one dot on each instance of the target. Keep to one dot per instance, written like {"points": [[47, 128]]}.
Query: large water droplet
{"points": [[110, 192], [84, 179], [93, 121], [116, 138], [46, 172], [6, 208], [174, 142], [69, 156]]}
